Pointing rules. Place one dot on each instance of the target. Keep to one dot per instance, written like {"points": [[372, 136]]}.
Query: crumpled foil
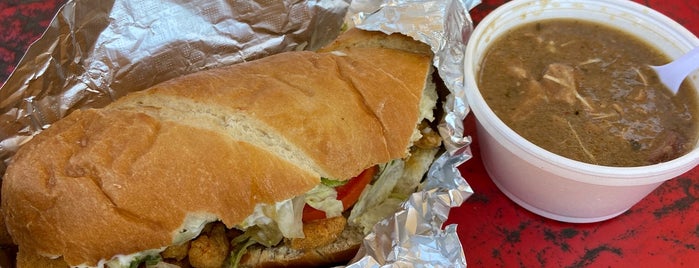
{"points": [[413, 236], [96, 51]]}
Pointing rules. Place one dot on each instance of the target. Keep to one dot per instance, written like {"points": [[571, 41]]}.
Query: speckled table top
{"points": [[660, 231]]}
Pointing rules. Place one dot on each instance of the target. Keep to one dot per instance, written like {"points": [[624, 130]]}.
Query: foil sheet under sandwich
{"points": [[96, 51]]}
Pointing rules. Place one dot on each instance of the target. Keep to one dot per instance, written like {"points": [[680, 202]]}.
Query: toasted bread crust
{"points": [[123, 179]]}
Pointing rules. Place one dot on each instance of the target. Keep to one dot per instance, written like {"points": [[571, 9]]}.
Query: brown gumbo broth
{"points": [[583, 90]]}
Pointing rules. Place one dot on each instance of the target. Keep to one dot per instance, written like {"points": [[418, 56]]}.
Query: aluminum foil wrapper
{"points": [[96, 51], [413, 236]]}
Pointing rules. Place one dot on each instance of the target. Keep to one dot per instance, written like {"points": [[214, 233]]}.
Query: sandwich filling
{"points": [[205, 242], [223, 166]]}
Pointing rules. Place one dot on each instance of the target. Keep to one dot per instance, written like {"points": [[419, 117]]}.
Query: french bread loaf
{"points": [[152, 168]]}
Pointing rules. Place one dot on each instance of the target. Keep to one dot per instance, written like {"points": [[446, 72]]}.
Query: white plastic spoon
{"points": [[673, 73]]}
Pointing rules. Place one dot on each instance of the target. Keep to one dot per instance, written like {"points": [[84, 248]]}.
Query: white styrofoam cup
{"points": [[548, 184]]}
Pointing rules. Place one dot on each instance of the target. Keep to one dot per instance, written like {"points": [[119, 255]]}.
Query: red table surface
{"points": [[660, 231]]}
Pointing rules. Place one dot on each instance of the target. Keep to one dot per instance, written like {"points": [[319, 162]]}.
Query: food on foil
{"points": [[285, 160]]}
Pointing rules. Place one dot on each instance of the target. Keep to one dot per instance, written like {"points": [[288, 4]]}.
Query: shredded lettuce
{"points": [[374, 194], [282, 219], [332, 183], [288, 217], [147, 257], [269, 224], [240, 246], [324, 198], [394, 184]]}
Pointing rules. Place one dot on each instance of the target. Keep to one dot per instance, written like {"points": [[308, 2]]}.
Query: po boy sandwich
{"points": [[282, 161]]}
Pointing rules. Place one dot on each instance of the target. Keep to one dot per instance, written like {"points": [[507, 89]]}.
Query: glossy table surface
{"points": [[660, 231]]}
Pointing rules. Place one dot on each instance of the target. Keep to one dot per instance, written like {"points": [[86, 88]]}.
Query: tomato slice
{"points": [[348, 193]]}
